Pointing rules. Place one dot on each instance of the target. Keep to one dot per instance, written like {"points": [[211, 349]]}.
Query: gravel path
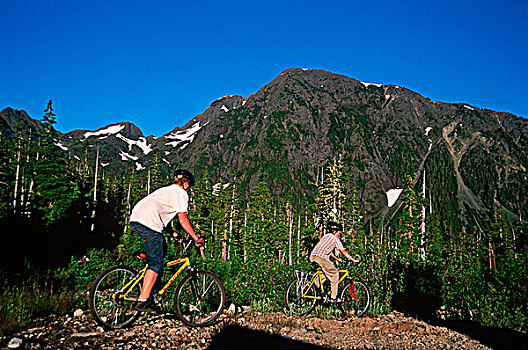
{"points": [[249, 330]]}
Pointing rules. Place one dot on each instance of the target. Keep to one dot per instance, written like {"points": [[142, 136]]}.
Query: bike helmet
{"points": [[180, 173], [334, 226]]}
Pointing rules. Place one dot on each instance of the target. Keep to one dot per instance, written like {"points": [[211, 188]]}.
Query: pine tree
{"points": [[7, 171], [353, 222], [54, 180], [258, 233], [202, 204], [407, 236], [332, 192]]}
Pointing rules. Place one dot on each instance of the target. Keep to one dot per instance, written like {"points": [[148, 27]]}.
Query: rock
{"points": [[232, 309], [78, 313], [15, 343], [396, 332], [85, 334]]}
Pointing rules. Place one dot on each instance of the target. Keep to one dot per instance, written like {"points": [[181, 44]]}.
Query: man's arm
{"points": [[186, 225], [348, 256], [335, 257]]}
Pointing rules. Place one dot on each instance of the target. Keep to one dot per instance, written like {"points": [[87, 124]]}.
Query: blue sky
{"points": [[158, 64]]}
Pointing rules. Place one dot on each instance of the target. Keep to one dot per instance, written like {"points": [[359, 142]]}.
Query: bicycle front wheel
{"points": [[109, 305], [355, 297], [200, 299], [299, 299]]}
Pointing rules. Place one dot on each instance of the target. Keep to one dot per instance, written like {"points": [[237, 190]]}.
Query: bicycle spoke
{"points": [[298, 298], [200, 299], [109, 308], [356, 298]]}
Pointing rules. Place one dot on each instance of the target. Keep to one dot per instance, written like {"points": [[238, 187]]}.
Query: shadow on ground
{"points": [[237, 337], [493, 337]]}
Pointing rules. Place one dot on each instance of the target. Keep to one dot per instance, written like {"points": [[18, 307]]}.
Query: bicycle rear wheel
{"points": [[200, 299], [108, 305], [295, 301], [355, 297]]}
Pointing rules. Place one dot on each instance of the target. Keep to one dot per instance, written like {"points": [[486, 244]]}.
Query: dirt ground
{"points": [[254, 330]]}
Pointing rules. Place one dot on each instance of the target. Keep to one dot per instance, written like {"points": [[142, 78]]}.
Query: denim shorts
{"points": [[154, 243]]}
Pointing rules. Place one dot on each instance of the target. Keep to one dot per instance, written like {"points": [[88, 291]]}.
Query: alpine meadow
{"points": [[431, 195]]}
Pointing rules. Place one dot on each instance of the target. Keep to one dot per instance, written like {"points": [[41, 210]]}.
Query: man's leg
{"points": [[154, 245], [333, 284], [323, 278], [331, 272], [148, 283]]}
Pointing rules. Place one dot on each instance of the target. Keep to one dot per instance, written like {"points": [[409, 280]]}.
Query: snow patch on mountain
{"points": [[183, 136], [111, 130], [141, 143], [393, 195], [219, 187], [125, 156], [61, 146], [427, 130], [368, 84]]}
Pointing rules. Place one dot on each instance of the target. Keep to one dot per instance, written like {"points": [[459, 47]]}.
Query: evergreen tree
{"points": [[54, 180], [353, 223], [235, 220], [202, 204], [7, 171], [332, 192], [407, 235], [259, 215]]}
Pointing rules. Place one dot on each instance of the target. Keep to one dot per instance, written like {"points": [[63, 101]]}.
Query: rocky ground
{"points": [[254, 330]]}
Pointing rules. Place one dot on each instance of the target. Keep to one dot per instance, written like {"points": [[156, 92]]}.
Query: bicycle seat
{"points": [[140, 255]]}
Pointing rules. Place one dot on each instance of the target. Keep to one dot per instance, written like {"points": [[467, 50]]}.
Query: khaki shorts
{"points": [[328, 268]]}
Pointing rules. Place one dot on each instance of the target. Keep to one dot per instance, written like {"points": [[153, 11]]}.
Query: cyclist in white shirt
{"points": [[148, 219]]}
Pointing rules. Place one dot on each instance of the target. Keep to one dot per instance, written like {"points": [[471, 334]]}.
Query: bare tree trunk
{"points": [[245, 237], [290, 219], [299, 238], [224, 246], [422, 226], [212, 234], [127, 214], [95, 190], [17, 176], [148, 183], [491, 257]]}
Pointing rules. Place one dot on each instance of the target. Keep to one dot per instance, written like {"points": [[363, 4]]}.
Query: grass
{"points": [[20, 304]]}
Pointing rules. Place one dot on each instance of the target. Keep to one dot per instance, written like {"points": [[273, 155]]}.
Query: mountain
{"points": [[473, 159]]}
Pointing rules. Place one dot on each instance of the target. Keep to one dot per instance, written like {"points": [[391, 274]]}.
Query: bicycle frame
{"points": [[319, 276], [185, 262]]}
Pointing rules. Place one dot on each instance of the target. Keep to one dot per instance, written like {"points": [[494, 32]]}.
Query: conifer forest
{"points": [[65, 219]]}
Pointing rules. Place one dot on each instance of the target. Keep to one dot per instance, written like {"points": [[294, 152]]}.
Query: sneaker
{"points": [[336, 301], [147, 306]]}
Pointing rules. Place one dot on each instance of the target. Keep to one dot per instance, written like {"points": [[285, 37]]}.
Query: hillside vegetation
{"points": [[272, 169]]}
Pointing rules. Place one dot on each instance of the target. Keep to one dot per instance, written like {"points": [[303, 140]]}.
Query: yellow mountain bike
{"points": [[307, 289], [199, 298]]}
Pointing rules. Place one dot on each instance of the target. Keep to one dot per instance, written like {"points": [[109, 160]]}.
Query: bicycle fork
{"points": [[352, 290]]}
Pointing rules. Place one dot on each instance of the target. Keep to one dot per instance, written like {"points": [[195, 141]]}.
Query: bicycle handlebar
{"points": [[347, 264], [186, 243]]}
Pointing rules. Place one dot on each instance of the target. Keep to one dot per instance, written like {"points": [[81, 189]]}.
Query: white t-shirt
{"points": [[157, 209]]}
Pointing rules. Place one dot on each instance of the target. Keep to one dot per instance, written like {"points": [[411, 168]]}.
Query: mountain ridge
{"points": [[291, 128]]}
